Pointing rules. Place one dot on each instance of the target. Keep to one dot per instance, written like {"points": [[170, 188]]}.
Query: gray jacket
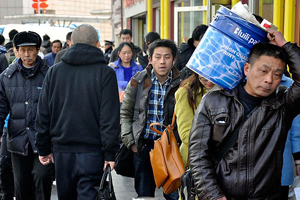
{"points": [[131, 130]]}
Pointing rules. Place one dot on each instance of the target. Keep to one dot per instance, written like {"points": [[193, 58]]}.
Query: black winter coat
{"points": [[79, 108], [19, 93], [184, 53], [251, 169]]}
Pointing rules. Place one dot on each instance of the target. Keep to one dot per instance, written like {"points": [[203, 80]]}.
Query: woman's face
{"points": [[125, 54], [206, 83]]}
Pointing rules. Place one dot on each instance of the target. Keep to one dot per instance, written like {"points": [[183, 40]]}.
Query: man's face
{"points": [[107, 46], [162, 61], [126, 38], [263, 76], [56, 47], [28, 55]]}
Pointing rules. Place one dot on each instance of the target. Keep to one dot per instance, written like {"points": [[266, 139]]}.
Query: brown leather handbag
{"points": [[166, 160]]}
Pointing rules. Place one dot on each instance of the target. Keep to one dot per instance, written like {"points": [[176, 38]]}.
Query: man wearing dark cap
{"points": [[108, 48], [20, 86]]}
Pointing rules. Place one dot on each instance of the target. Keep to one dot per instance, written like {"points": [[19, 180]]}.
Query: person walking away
{"points": [[125, 36], [159, 80], [79, 136], [261, 112], [187, 49], [20, 87]]}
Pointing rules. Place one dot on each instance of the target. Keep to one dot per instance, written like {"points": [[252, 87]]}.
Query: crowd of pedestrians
{"points": [[61, 116]]}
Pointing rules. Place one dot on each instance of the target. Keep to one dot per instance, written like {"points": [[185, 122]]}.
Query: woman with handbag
{"points": [[188, 97]]}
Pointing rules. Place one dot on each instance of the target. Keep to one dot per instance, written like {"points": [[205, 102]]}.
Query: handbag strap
{"points": [[230, 141], [159, 124], [137, 100]]}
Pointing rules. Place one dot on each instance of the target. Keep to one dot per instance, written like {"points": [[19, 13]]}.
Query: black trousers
{"points": [[33, 181], [6, 171], [77, 175]]}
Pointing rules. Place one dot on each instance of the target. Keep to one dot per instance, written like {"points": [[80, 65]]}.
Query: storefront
{"points": [[135, 19], [190, 13]]}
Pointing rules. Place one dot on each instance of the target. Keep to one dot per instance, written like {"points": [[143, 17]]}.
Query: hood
{"points": [[83, 54]]}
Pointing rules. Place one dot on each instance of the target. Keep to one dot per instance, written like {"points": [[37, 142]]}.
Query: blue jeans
{"points": [[77, 175], [144, 180]]}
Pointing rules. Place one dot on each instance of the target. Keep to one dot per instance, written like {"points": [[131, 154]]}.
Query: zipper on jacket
{"points": [[238, 149]]}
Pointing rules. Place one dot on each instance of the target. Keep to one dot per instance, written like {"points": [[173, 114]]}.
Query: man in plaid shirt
{"points": [[159, 80]]}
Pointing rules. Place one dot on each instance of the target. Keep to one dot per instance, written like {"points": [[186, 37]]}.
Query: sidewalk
{"points": [[123, 186]]}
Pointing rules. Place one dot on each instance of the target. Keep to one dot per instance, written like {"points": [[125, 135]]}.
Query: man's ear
{"points": [[247, 67], [149, 59], [174, 61]]}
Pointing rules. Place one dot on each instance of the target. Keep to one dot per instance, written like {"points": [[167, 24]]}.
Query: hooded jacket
{"points": [[251, 169], [19, 93], [79, 105]]}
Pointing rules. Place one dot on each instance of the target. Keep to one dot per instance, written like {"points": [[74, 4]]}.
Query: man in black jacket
{"points": [[20, 86], [187, 49], [262, 112], [79, 117], [126, 36]]}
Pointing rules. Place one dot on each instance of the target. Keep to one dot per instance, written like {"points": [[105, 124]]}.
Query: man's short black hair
{"points": [[266, 49], [125, 32], [2, 39], [68, 36], [56, 41], [163, 43], [199, 32], [152, 36], [12, 34]]}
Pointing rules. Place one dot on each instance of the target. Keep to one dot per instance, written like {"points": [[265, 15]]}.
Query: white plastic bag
{"points": [[296, 185]]}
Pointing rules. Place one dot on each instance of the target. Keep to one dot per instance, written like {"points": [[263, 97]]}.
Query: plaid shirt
{"points": [[155, 112]]}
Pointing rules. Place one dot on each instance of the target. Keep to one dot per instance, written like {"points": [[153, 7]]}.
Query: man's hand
{"points": [[276, 38], [223, 198], [45, 160], [111, 163], [134, 148]]}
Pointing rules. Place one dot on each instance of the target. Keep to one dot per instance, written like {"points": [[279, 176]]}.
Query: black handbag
{"points": [[106, 189], [124, 162], [187, 188]]}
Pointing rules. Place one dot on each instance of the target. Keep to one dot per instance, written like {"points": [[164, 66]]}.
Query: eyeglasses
{"points": [[203, 79]]}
